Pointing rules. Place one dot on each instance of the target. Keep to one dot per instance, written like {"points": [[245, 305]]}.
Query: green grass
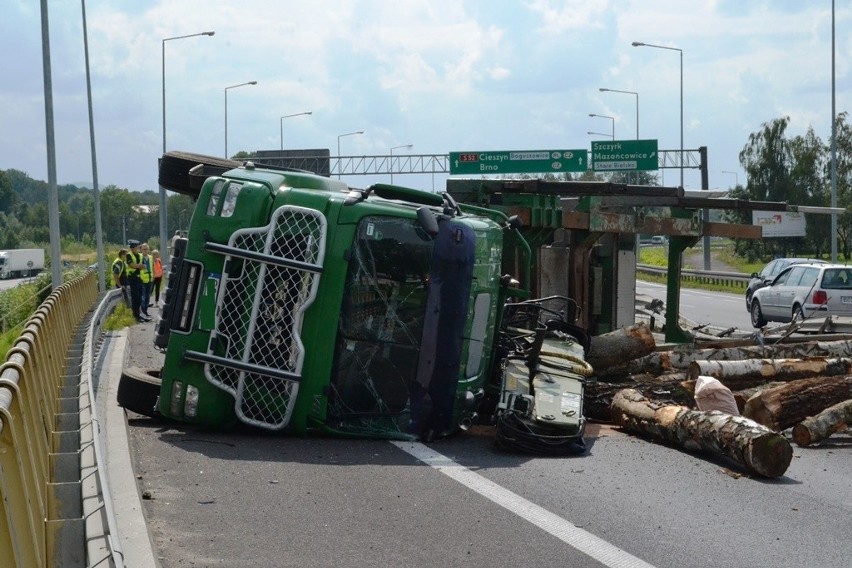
{"points": [[658, 256], [120, 318], [655, 256]]}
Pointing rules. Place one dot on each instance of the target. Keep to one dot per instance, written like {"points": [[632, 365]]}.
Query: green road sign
{"points": [[518, 162], [624, 155]]}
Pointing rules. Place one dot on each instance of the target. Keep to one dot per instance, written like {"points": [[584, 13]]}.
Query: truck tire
{"points": [[174, 170], [139, 389]]}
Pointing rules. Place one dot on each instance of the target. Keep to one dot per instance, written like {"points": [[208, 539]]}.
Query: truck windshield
{"points": [[381, 325]]}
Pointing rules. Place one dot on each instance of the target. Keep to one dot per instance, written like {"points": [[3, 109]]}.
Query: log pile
{"points": [[803, 385], [755, 447]]}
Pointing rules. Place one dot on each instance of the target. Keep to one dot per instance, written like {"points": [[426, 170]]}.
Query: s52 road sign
{"points": [[518, 162]]}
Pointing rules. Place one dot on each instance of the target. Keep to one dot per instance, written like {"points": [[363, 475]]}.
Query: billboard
{"points": [[779, 224]]}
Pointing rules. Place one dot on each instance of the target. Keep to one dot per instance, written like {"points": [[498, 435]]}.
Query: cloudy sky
{"points": [[443, 75]]}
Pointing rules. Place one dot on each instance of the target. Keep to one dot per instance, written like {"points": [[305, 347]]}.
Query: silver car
{"points": [[803, 291]]}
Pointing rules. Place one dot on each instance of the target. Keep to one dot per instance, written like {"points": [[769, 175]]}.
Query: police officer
{"points": [[147, 276], [134, 276], [119, 275]]}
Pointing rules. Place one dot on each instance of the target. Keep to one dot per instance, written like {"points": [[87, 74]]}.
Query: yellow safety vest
{"points": [[145, 275], [133, 258]]}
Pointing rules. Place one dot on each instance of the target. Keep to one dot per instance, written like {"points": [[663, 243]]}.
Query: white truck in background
{"points": [[21, 263]]}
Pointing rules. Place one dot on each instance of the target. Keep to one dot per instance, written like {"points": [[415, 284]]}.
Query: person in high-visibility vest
{"points": [[119, 275], [147, 276], [134, 270], [158, 275]]}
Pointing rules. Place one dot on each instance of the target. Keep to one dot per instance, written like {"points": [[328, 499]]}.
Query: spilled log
{"points": [[597, 399], [742, 396], [620, 346], [738, 375], [817, 428], [755, 447], [678, 359], [782, 407]]}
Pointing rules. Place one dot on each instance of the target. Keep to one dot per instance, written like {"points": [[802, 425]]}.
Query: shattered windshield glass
{"points": [[381, 326]]}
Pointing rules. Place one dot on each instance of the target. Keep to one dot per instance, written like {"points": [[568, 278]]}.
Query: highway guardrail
{"points": [[731, 279], [41, 510]]}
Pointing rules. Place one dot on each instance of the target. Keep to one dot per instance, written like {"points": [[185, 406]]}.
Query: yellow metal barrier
{"points": [[30, 393]]}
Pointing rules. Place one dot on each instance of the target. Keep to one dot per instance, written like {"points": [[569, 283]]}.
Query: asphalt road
{"points": [[705, 306], [251, 499]]}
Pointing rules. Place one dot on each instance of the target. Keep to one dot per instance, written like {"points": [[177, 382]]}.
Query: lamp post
{"points": [[612, 118], [736, 177], [226, 110], [601, 134], [391, 152], [680, 51], [339, 136], [163, 212], [604, 90], [290, 116]]}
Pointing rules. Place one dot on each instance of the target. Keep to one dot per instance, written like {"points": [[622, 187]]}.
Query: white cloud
{"points": [[441, 74]]}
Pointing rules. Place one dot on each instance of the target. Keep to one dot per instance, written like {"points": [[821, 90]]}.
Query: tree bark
{"points": [[787, 405], [597, 398], [742, 396], [738, 375], [620, 346], [744, 441], [817, 428], [661, 362]]}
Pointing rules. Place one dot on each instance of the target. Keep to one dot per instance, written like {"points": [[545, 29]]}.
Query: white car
{"points": [[804, 291]]}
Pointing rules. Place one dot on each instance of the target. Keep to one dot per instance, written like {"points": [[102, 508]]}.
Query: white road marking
{"points": [[587, 543]]}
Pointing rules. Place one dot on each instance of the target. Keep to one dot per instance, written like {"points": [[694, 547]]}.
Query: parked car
{"points": [[803, 291], [769, 272]]}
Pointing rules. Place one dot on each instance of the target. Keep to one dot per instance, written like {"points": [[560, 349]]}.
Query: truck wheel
{"points": [[174, 172], [138, 390]]}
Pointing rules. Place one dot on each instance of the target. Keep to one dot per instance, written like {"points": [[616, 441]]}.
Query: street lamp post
{"points": [[680, 51], [163, 213], [603, 90], [601, 134], [226, 110], [339, 136], [634, 93], [391, 152], [736, 177], [290, 116], [612, 118]]}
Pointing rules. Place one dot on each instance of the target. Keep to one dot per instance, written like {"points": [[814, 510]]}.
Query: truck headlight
{"points": [[174, 401], [190, 407], [230, 202]]}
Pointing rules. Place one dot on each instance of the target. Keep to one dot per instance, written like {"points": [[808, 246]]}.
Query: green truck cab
{"points": [[299, 304]]}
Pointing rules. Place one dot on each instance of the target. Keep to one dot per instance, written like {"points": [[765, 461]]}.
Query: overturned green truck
{"points": [[297, 303]]}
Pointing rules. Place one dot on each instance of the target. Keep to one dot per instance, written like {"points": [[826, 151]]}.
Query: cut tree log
{"points": [[597, 398], [742, 396], [620, 346], [662, 362], [755, 447], [782, 407], [738, 375], [817, 428]]}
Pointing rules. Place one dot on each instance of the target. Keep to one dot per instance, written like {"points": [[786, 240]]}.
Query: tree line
{"points": [[797, 170], [125, 214]]}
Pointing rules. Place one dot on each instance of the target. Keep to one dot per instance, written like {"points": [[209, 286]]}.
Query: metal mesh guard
{"points": [[260, 314]]}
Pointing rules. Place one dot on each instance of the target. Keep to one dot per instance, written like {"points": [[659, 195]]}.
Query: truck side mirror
{"points": [[515, 223], [427, 221]]}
